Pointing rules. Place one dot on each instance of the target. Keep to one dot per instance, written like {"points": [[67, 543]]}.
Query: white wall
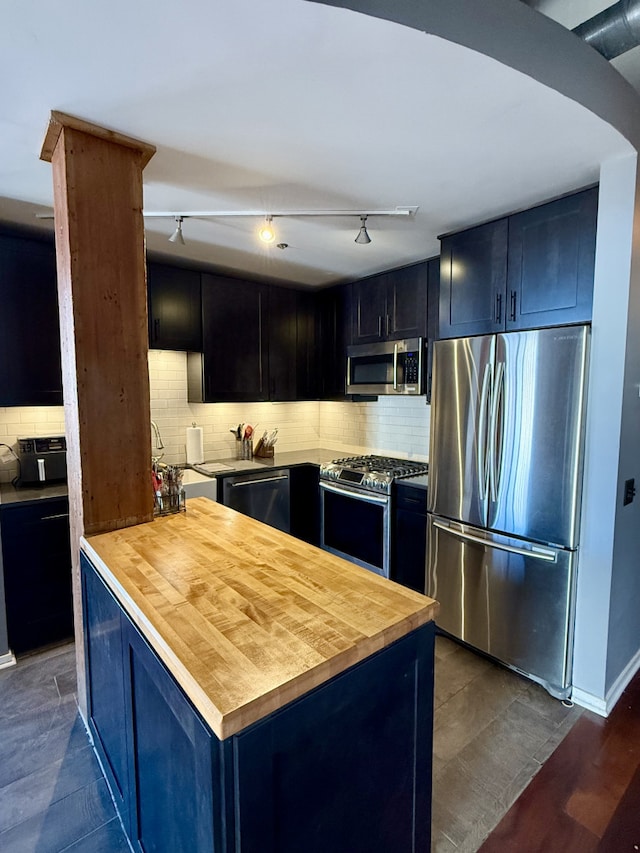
{"points": [[607, 627]]}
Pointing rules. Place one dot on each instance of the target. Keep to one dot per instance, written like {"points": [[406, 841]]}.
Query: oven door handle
{"points": [[355, 493]]}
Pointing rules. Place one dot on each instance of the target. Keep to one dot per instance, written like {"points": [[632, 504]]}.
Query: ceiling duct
{"points": [[614, 30]]}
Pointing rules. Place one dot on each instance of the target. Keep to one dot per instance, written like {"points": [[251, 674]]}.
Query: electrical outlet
{"points": [[629, 491]]}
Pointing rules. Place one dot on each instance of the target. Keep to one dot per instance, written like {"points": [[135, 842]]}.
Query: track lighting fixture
{"points": [[177, 237], [266, 233], [363, 237]]}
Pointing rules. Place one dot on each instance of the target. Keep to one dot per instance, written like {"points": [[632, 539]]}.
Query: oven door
{"points": [[355, 525]]}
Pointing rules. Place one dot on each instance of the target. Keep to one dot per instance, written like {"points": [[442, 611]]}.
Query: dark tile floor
{"points": [[52, 794], [493, 730]]}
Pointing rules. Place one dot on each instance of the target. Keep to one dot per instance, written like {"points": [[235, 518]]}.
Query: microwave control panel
{"points": [[411, 366]]}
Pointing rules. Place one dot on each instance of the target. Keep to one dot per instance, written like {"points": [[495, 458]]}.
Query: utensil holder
{"points": [[169, 503], [244, 448]]}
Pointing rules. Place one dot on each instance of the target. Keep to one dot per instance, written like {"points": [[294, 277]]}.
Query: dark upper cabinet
{"points": [[551, 262], [390, 306], [307, 345], [433, 297], [473, 274], [30, 373], [529, 270], [369, 316], [293, 363], [282, 343], [175, 317], [234, 366], [334, 313]]}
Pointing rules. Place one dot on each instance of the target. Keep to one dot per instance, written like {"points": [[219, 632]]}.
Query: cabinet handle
{"points": [[513, 304], [57, 515], [388, 324], [379, 325], [156, 329], [498, 308]]}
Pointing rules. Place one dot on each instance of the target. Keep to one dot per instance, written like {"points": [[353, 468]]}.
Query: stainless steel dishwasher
{"points": [[263, 496]]}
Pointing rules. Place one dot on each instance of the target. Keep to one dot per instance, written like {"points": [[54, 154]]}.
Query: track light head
{"points": [[177, 237], [363, 236]]}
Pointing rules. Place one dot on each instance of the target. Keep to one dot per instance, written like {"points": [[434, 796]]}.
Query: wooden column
{"points": [[97, 178]]}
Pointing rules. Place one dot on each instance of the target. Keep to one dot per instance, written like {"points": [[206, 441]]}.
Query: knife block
{"points": [[262, 451]]}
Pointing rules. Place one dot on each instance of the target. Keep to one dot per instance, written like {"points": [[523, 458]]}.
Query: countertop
{"points": [[10, 495], [245, 617]]}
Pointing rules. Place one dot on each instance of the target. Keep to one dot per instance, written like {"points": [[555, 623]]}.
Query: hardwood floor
{"points": [[587, 796]]}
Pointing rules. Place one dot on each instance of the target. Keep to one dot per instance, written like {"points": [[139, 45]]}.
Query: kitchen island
{"points": [[250, 692]]}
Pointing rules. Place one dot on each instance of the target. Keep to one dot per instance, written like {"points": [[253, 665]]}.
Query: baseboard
{"points": [[622, 681], [605, 706], [8, 659], [589, 701]]}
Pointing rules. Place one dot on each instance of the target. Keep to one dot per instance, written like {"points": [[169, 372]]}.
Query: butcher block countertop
{"points": [[245, 617]]}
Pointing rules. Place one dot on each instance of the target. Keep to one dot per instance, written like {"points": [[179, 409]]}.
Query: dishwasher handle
{"points": [[259, 480]]}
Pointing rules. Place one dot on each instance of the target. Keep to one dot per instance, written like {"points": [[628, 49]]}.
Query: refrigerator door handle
{"points": [[535, 552], [481, 454], [495, 432]]}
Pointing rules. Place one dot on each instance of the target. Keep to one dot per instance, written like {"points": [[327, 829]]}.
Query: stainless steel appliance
{"points": [[263, 496], [355, 507], [505, 479], [42, 459], [391, 367]]}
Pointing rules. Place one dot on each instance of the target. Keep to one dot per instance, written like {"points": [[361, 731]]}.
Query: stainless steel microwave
{"points": [[391, 367]]}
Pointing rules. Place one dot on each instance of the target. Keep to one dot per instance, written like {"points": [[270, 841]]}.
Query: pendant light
{"points": [[177, 237], [363, 237]]}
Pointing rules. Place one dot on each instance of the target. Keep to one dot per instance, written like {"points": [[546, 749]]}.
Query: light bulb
{"points": [[266, 233]]}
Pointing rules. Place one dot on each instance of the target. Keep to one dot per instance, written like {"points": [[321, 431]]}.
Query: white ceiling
{"points": [[285, 105]]}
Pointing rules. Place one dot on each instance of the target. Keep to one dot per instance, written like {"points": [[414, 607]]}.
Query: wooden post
{"points": [[97, 177]]}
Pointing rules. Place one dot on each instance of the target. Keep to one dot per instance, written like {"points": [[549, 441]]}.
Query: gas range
{"points": [[371, 473]]}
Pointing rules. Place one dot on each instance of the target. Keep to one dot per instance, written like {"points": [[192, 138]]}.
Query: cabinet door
{"points": [[335, 335], [235, 340], [175, 320], [282, 343], [307, 336], [173, 762], [407, 302], [106, 665], [305, 503], [369, 310], [30, 373], [473, 277], [410, 537], [347, 768], [551, 263], [37, 573]]}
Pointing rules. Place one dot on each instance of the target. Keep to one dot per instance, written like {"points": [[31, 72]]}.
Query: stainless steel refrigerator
{"points": [[505, 479]]}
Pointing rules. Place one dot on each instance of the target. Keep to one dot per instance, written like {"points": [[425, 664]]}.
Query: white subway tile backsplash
{"points": [[389, 426]]}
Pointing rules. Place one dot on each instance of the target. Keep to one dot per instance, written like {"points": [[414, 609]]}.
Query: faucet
{"points": [[158, 437]]}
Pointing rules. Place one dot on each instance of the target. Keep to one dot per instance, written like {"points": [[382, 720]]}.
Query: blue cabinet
{"points": [[346, 768]]}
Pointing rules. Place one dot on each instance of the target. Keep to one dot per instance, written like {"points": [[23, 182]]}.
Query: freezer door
{"points": [[510, 599], [537, 422], [460, 407]]}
